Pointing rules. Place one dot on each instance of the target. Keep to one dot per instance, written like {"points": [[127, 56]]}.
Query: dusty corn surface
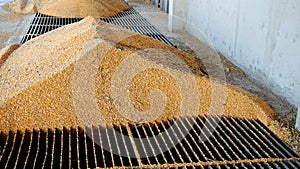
{"points": [[68, 8], [23, 6], [83, 8], [103, 74]]}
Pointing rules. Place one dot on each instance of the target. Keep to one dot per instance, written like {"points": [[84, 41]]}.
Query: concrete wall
{"points": [[262, 37]]}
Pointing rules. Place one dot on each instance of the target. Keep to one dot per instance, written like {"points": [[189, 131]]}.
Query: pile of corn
{"points": [[92, 73]]}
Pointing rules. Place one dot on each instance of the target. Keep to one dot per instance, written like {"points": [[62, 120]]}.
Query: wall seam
{"points": [[236, 29]]}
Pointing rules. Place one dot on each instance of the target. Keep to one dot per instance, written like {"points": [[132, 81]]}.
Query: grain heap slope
{"points": [[91, 73]]}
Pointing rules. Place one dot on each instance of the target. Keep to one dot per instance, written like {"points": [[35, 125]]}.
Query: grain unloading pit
{"points": [[44, 127], [236, 143]]}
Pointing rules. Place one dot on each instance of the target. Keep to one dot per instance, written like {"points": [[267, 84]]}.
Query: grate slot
{"points": [[145, 146], [296, 163], [127, 159], [50, 149], [119, 146], [108, 157], [30, 30], [35, 30], [98, 149], [30, 160], [130, 145], [12, 157], [24, 150], [139, 145], [274, 165], [74, 148], [282, 164], [87, 148], [57, 149], [41, 150], [45, 21], [289, 164], [248, 165], [242, 165], [35, 19], [6, 144], [117, 160], [66, 156], [82, 149]]}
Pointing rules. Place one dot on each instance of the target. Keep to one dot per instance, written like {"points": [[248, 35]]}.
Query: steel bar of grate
{"points": [[193, 141], [129, 19]]}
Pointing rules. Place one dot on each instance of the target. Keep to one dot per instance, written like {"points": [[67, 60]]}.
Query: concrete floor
{"points": [[12, 26]]}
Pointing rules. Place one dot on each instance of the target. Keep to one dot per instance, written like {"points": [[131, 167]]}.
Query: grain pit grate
{"points": [[133, 20], [129, 19], [43, 23], [235, 143]]}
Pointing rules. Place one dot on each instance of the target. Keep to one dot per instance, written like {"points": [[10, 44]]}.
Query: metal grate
{"points": [[129, 19], [235, 143], [132, 20], [42, 24]]}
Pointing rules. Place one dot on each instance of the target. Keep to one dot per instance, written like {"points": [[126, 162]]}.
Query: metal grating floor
{"points": [[235, 143], [132, 20], [129, 19], [42, 24]]}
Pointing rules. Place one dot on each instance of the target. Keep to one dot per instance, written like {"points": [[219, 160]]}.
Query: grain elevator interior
{"points": [[149, 84]]}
